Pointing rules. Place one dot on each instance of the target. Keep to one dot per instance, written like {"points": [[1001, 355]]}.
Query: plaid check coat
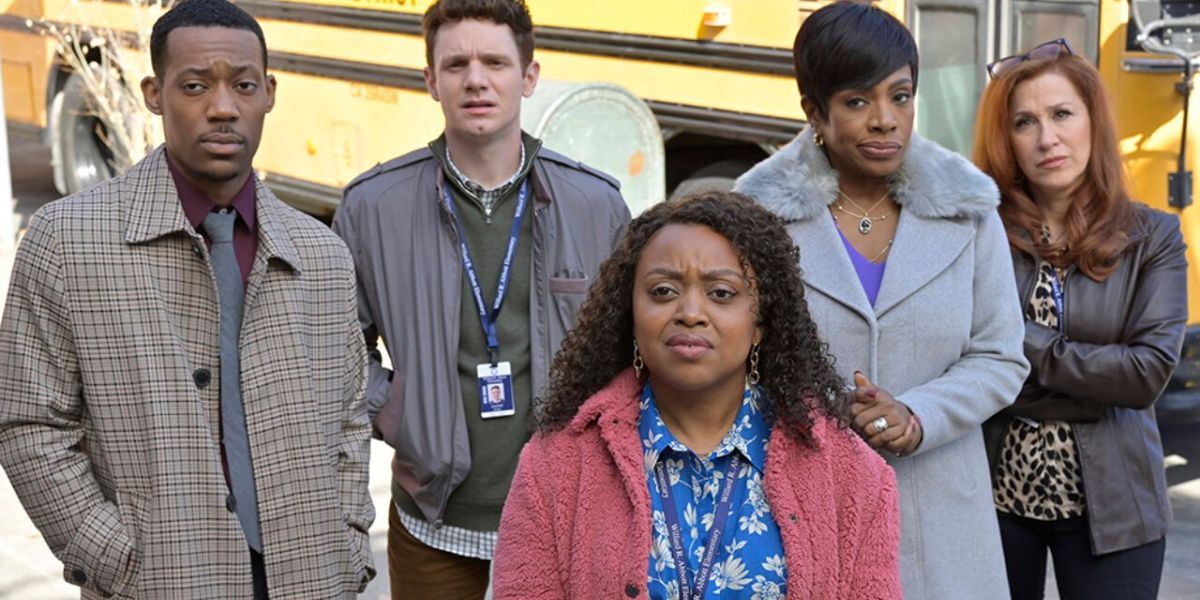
{"points": [[109, 402]]}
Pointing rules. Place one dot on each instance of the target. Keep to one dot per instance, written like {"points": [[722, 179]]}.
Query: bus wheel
{"points": [[81, 158]]}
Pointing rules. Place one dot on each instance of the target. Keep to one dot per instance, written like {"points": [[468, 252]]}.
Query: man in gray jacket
{"points": [[473, 255]]}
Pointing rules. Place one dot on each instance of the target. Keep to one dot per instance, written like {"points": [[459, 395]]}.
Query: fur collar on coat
{"points": [[798, 183]]}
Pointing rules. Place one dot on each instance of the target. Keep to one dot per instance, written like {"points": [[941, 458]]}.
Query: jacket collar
{"points": [[531, 168], [151, 210], [617, 404], [798, 183], [937, 189]]}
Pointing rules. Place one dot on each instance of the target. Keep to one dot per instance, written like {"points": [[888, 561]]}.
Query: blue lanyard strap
{"points": [[687, 589], [488, 319], [1057, 291]]}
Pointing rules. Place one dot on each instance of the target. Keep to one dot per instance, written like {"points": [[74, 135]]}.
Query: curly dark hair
{"points": [[795, 368]]}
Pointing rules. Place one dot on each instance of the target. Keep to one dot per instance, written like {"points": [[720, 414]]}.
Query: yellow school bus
{"points": [[714, 76]]}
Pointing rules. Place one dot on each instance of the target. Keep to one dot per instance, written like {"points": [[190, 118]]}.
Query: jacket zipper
{"points": [[1062, 327], [538, 234], [1079, 445], [448, 222]]}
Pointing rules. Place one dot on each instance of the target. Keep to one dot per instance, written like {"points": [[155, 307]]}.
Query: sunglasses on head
{"points": [[1047, 51]]}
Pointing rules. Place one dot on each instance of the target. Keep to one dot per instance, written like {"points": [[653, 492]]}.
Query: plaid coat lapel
{"points": [[153, 209]]}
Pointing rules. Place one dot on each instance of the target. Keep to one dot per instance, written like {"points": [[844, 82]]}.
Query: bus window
{"points": [[1037, 22], [951, 37]]}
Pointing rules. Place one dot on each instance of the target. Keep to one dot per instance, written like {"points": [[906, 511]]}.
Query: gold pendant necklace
{"points": [[865, 222], [886, 247]]}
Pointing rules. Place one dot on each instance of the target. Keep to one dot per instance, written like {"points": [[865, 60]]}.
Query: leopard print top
{"points": [[1038, 475]]}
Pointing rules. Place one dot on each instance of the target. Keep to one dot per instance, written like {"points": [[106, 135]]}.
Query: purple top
{"points": [[869, 274]]}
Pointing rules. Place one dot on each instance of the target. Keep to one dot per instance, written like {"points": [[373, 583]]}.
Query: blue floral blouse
{"points": [[749, 564]]}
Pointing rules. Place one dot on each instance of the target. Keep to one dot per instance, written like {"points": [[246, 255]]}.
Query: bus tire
{"points": [[81, 159]]}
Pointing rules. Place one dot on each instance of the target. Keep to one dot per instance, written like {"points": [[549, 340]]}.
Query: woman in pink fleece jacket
{"points": [[693, 442]]}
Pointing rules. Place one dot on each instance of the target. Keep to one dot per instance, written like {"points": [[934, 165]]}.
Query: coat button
{"points": [[631, 590], [793, 518], [230, 503], [78, 577], [202, 378]]}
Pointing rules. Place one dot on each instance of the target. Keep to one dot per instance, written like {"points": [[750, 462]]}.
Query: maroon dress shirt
{"points": [[196, 206]]}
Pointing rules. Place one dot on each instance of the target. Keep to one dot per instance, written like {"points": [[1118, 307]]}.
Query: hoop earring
{"points": [[638, 364], [752, 377]]}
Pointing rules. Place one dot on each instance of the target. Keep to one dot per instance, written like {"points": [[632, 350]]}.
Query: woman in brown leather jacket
{"points": [[1077, 462]]}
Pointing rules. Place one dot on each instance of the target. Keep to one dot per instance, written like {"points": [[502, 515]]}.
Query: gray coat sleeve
{"points": [[378, 377], [621, 220], [989, 374]]}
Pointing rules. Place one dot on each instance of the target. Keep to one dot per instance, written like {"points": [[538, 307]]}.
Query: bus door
{"points": [[1027, 24], [953, 38], [957, 38]]}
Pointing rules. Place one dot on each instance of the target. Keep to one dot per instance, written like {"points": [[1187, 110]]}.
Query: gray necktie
{"points": [[219, 226]]}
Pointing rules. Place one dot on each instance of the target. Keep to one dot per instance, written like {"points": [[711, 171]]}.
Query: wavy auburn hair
{"points": [[1100, 218], [795, 369]]}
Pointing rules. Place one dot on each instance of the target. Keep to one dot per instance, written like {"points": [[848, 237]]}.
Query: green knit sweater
{"points": [[495, 443]]}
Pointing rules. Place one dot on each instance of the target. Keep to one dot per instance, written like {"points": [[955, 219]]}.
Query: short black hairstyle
{"points": [[200, 13], [849, 45]]}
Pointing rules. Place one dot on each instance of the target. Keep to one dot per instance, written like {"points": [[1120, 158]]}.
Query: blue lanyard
{"points": [[488, 319], [687, 589], [1057, 291]]}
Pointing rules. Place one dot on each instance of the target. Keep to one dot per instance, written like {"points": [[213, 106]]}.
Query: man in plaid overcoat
{"points": [[110, 403]]}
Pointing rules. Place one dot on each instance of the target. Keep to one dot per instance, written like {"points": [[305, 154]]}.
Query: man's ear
{"points": [[431, 84], [152, 94], [271, 85], [532, 73]]}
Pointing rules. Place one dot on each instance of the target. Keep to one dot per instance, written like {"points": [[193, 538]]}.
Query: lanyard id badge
{"points": [[692, 586], [1056, 290], [494, 378], [495, 390]]}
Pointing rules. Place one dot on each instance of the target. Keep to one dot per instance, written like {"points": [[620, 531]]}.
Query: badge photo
{"points": [[495, 390]]}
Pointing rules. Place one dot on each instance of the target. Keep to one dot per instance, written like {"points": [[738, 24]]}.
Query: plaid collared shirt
{"points": [[455, 540], [486, 198]]}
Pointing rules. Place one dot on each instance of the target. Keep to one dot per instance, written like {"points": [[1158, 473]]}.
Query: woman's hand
{"points": [[902, 432]]}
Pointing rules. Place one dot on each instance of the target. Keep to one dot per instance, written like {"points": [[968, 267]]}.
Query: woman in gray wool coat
{"points": [[910, 281]]}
